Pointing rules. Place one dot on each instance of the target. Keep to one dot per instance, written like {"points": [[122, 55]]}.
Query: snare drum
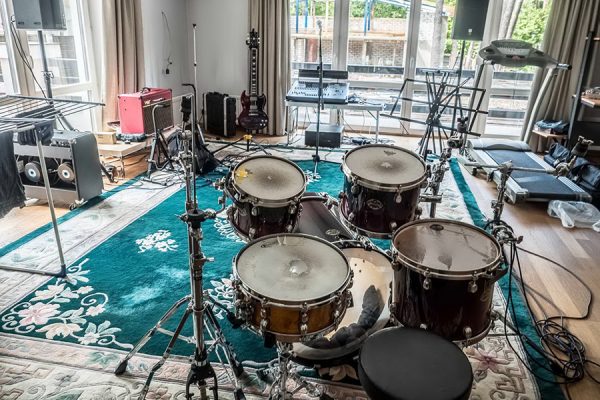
{"points": [[444, 278], [381, 188], [266, 192], [319, 216], [371, 291], [293, 286]]}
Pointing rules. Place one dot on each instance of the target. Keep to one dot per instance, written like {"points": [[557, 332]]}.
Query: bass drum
{"points": [[371, 291]]}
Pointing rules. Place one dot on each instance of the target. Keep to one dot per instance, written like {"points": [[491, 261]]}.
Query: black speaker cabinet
{"points": [[219, 114], [73, 168], [40, 14], [469, 21]]}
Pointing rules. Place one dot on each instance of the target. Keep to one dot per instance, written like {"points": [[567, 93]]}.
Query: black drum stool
{"points": [[407, 364]]}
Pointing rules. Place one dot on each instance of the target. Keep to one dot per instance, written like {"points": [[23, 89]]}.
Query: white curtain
{"points": [[123, 53], [270, 18], [564, 39]]}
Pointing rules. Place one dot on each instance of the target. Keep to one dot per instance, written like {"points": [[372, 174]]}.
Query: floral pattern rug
{"points": [[119, 287]]}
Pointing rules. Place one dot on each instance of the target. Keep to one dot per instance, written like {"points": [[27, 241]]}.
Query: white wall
{"points": [[222, 28], [157, 44]]}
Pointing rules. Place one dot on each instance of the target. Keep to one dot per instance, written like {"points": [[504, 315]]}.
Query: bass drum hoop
{"points": [[369, 184], [292, 304], [400, 260], [323, 357], [247, 198]]}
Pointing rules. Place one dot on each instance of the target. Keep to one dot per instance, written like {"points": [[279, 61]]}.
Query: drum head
{"points": [[386, 165], [369, 312], [446, 247], [269, 178], [292, 268]]}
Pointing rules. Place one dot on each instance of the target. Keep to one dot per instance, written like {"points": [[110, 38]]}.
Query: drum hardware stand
{"points": [[285, 371], [320, 103], [437, 172], [199, 305]]}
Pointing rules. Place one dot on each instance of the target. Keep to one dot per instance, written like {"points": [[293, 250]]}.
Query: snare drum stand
{"points": [[199, 306], [284, 371]]}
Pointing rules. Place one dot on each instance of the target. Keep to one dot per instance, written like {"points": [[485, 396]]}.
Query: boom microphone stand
{"points": [[320, 104], [199, 305]]}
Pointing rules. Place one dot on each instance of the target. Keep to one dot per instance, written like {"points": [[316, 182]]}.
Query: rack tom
{"points": [[444, 275], [292, 286], [381, 188], [266, 192]]}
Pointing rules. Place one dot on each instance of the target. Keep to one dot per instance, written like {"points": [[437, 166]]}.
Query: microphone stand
{"points": [[320, 104]]}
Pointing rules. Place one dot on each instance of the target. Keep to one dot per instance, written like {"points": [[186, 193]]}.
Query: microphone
{"points": [[320, 24]]}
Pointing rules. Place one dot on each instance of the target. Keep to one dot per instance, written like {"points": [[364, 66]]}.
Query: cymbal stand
{"points": [[437, 171], [198, 305]]}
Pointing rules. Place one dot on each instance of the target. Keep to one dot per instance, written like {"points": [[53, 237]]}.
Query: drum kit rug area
{"points": [[313, 285]]}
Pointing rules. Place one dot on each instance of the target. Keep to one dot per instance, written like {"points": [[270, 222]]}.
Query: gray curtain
{"points": [[564, 39], [123, 53], [271, 20]]}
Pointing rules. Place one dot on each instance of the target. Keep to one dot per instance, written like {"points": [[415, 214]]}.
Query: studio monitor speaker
{"points": [[469, 19], [40, 14]]}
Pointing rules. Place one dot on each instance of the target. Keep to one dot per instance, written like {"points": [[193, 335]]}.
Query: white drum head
{"points": [[372, 272], [384, 164], [446, 246], [269, 178], [292, 268]]}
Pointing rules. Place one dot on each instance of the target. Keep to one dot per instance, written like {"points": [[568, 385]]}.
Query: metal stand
{"points": [[320, 104], [285, 371], [438, 170], [198, 305], [63, 267]]}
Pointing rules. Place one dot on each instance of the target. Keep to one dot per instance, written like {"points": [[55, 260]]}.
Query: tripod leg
{"points": [[123, 364], [236, 366], [166, 354]]}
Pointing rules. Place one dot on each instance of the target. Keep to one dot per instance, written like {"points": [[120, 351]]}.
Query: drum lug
{"points": [[393, 225], [427, 281], [289, 228], [473, 285], [264, 321], [351, 217], [468, 332], [254, 211], [398, 197], [293, 208], [251, 233], [355, 189], [423, 326], [393, 318], [304, 320]]}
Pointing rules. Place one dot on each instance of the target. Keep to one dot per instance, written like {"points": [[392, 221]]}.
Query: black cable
{"points": [[563, 351]]}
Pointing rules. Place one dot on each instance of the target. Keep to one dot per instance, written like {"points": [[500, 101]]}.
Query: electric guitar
{"points": [[253, 116]]}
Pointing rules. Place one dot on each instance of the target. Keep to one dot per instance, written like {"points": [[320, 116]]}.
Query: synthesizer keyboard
{"points": [[306, 91]]}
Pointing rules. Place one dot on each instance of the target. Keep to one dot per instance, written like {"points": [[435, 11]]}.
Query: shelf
{"points": [[594, 103], [547, 134]]}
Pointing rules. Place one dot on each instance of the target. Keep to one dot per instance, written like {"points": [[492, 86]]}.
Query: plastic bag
{"points": [[575, 214]]}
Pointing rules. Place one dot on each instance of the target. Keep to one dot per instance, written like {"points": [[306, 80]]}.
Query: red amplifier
{"points": [[135, 110]]}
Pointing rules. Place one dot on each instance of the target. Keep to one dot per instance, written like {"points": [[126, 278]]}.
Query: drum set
{"points": [[312, 284]]}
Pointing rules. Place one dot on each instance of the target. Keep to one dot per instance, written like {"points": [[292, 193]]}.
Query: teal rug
{"points": [[120, 288]]}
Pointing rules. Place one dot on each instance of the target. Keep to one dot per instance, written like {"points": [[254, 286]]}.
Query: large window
{"points": [[67, 55], [384, 42]]}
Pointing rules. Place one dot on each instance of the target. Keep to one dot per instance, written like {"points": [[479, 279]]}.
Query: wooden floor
{"points": [[578, 250]]}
